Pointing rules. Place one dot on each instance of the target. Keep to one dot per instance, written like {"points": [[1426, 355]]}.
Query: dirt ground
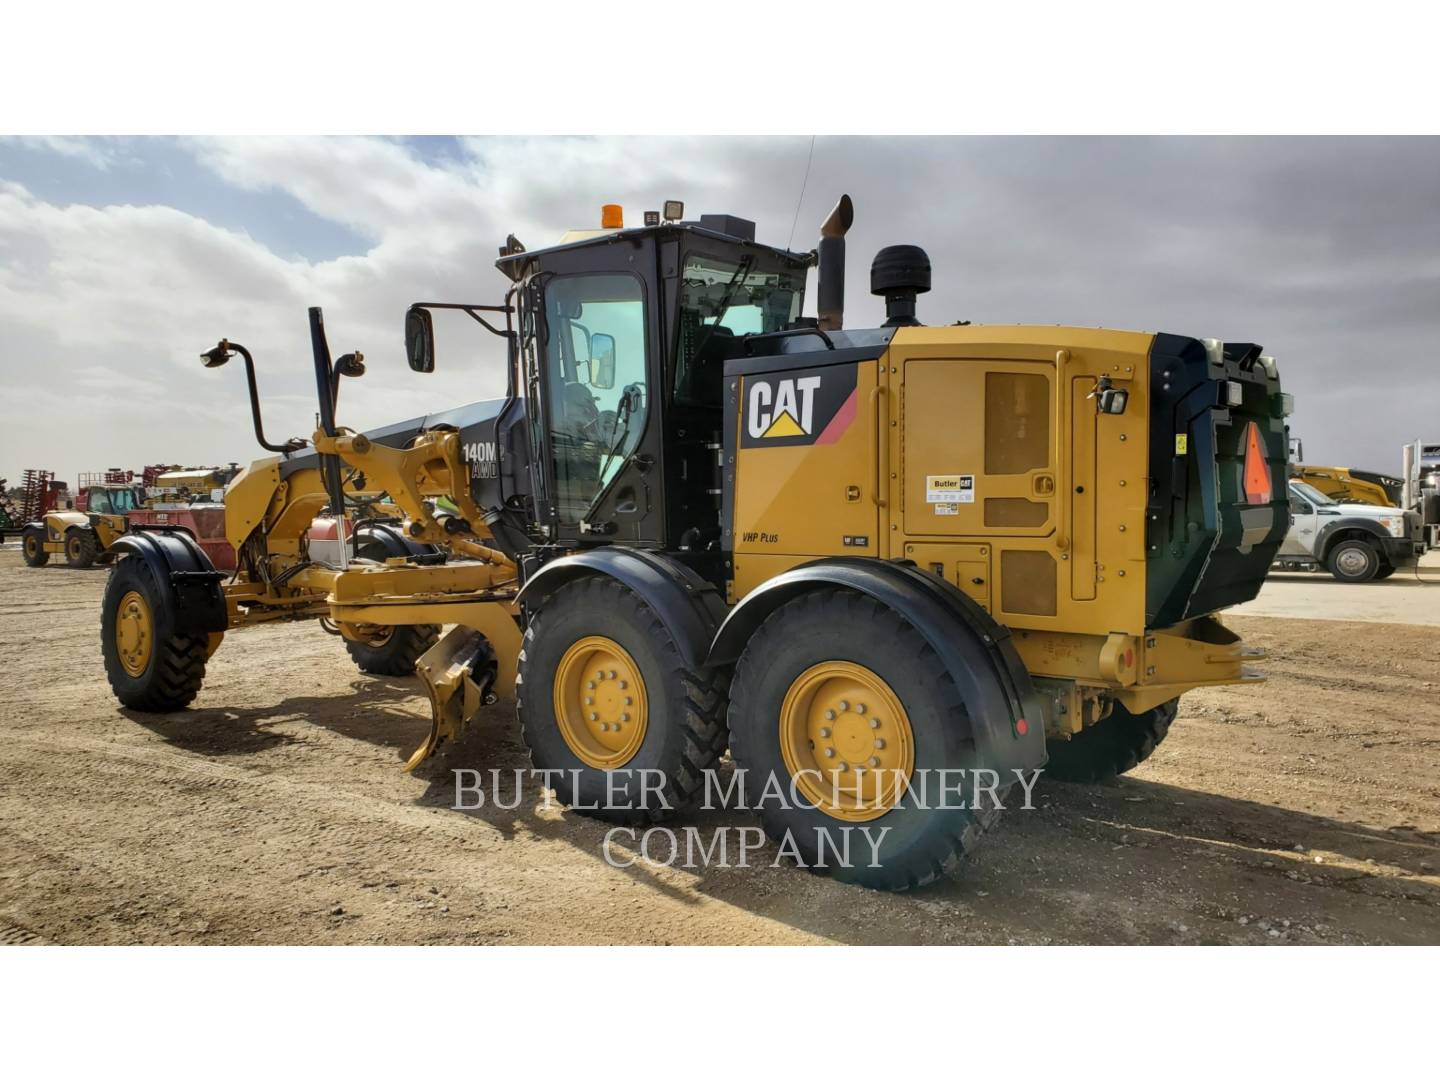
{"points": [[1412, 595], [274, 811]]}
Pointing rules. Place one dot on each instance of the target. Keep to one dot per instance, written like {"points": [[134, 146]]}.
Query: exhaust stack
{"points": [[830, 289]]}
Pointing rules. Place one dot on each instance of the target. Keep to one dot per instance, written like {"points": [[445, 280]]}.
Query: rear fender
{"points": [[180, 564], [1005, 713]]}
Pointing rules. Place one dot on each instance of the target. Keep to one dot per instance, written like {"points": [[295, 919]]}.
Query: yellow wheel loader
{"points": [[85, 535], [867, 561]]}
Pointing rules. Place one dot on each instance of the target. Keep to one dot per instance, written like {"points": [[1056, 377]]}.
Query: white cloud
{"points": [[107, 308], [101, 153]]}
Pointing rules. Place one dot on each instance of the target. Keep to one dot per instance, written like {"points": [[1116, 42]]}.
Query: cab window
{"points": [[597, 395]]}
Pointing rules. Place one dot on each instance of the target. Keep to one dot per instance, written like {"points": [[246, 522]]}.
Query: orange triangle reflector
{"points": [[1257, 469]]}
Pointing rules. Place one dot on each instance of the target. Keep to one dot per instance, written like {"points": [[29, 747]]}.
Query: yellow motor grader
{"points": [[859, 558]]}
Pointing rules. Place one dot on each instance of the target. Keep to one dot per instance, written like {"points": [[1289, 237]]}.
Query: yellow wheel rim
{"points": [[72, 548], [846, 740], [600, 702], [32, 546], [134, 633]]}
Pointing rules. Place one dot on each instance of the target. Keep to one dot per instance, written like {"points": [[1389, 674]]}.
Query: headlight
{"points": [[1395, 526]]}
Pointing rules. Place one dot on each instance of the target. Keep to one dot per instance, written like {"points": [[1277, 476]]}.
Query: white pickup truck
{"points": [[1354, 541]]}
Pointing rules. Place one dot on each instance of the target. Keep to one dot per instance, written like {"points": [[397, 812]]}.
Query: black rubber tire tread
{"points": [[686, 734], [399, 652], [841, 624], [89, 548], [1332, 561], [177, 668], [41, 556], [1386, 569], [1114, 746]]}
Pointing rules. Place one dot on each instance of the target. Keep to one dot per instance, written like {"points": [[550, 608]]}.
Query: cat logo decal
{"points": [[798, 408]]}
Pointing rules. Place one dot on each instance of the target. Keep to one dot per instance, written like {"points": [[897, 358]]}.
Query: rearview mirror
{"points": [[419, 340], [602, 361]]}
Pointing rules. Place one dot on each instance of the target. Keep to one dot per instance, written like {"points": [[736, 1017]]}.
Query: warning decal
{"points": [[950, 489]]}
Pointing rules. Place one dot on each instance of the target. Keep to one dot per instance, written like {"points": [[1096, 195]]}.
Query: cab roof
{"points": [[514, 264]]}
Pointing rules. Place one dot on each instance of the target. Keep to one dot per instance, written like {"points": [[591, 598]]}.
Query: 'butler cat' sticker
{"points": [[950, 489]]}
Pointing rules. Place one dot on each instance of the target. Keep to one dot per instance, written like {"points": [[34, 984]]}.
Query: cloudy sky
{"points": [[122, 259]]}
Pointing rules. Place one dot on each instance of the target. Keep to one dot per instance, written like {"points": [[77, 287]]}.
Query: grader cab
{"points": [[861, 559]]}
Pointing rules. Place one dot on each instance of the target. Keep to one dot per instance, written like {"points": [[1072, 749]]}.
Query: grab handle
{"points": [[882, 456]]}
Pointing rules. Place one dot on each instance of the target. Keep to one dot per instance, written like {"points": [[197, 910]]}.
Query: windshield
{"points": [[724, 298], [1302, 488], [112, 500]]}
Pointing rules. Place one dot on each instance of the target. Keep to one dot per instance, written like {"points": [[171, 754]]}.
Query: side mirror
{"points": [[602, 361], [419, 340]]}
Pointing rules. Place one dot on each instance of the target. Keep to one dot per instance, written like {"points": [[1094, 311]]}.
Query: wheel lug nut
{"points": [[628, 701], [589, 701], [829, 714], [824, 733], [879, 744], [842, 767], [625, 717], [594, 716], [874, 761], [829, 751], [611, 675], [860, 708], [844, 706], [623, 684], [874, 722], [590, 685]]}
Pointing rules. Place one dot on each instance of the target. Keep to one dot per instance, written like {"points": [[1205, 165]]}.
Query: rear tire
{"points": [[150, 667], [1386, 569], [667, 729], [32, 546], [396, 653], [1114, 746], [837, 629], [1353, 561], [81, 548]]}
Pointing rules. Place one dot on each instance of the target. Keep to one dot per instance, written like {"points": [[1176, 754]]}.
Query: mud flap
{"points": [[459, 675]]}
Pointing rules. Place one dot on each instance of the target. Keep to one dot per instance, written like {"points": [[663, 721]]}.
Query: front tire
{"points": [[32, 546], [393, 650], [1353, 561], [835, 683], [1386, 569], [1117, 744], [150, 667], [601, 689], [81, 548]]}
